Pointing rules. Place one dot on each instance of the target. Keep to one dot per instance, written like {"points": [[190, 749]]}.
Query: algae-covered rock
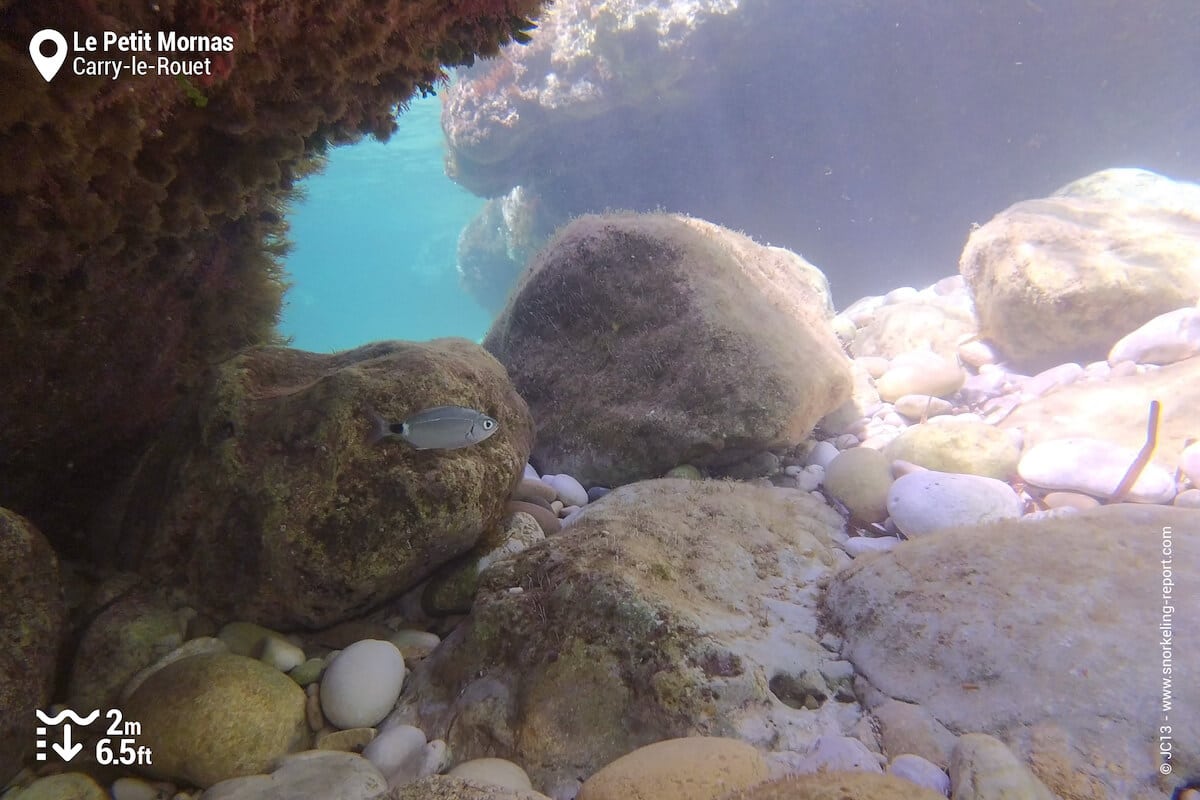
{"points": [[1063, 278], [646, 341], [127, 636], [32, 617], [1011, 629], [643, 600], [207, 718], [268, 503], [836, 786], [968, 447]]}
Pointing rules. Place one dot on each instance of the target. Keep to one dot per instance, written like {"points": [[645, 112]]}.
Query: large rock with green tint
{"points": [[32, 616], [217, 716], [269, 505], [968, 447], [684, 607], [1063, 278], [644, 341]]}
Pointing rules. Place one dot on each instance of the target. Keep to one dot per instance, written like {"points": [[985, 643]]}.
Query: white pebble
{"points": [[810, 478], [793, 470], [900, 295], [280, 654], [895, 420], [570, 491], [838, 754], [362, 684], [923, 502], [976, 354], [1187, 499], [530, 472], [921, 772], [1050, 379], [1095, 467], [857, 545], [821, 454], [845, 442], [920, 372], [1189, 462], [1165, 339], [1097, 370], [398, 752]]}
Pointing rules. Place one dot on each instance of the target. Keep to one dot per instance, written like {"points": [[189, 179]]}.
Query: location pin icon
{"points": [[48, 65]]}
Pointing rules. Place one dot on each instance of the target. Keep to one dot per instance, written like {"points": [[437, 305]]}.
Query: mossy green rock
{"points": [[32, 616], [127, 636], [968, 447], [217, 716], [64, 786], [837, 786], [860, 479], [686, 472], [267, 502], [643, 341]]}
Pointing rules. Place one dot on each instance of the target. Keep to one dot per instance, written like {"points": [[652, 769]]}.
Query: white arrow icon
{"points": [[48, 65], [66, 750]]}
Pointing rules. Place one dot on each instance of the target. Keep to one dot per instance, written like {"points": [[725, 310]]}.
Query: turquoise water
{"points": [[375, 241]]}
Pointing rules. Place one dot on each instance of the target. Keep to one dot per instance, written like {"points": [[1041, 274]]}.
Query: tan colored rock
{"points": [[212, 717], [966, 447], [64, 786], [498, 771], [920, 372], [33, 615], [1079, 502], [970, 625], [692, 768], [860, 478], [1117, 410], [837, 786], [644, 601], [643, 341], [982, 768], [269, 481], [1063, 278], [917, 324], [450, 787], [530, 488]]}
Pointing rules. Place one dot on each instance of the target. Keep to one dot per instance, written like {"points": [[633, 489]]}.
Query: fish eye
{"points": [[488, 424]]}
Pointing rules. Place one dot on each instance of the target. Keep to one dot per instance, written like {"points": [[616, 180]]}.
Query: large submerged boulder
{"points": [[645, 341], [1046, 634], [267, 503], [684, 607], [144, 218], [1064, 277], [33, 615]]}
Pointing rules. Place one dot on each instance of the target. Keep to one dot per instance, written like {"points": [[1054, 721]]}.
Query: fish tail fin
{"points": [[379, 426]]}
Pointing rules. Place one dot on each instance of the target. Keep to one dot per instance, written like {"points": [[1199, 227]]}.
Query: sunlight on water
{"points": [[375, 242]]}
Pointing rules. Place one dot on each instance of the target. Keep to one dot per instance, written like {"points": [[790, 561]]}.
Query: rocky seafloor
{"points": [[726, 544]]}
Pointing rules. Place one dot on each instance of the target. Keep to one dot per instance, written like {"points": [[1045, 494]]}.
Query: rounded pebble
{"points": [[398, 752], [821, 454], [136, 789], [809, 478], [860, 479], [923, 502], [920, 771], [857, 545], [694, 768], [1080, 502], [1187, 499], [1165, 339], [969, 447], [874, 365], [845, 441], [362, 684], [920, 372], [1094, 467], [494, 771], [916, 406], [976, 353], [414, 644], [280, 653], [533, 490], [1189, 462], [569, 490], [596, 492], [530, 472]]}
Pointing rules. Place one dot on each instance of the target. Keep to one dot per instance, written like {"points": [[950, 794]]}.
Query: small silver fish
{"points": [[439, 428]]}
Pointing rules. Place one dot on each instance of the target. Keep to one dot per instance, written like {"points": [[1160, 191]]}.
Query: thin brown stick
{"points": [[1143, 458]]}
